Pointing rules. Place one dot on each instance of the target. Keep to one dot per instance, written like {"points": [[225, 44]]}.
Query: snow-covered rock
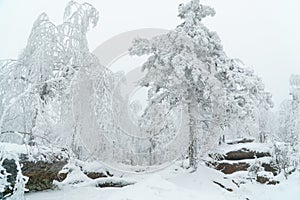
{"points": [[245, 156], [40, 166]]}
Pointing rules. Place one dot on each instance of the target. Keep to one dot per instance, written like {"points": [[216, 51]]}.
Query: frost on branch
{"points": [[37, 89], [193, 10], [81, 15], [188, 66]]}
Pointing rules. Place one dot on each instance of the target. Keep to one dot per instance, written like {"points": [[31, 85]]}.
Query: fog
{"points": [[263, 34]]}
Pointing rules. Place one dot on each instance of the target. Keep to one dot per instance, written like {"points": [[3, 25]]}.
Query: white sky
{"points": [[265, 34]]}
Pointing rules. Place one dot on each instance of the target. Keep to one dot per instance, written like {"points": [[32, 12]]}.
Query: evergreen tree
{"points": [[188, 66]]}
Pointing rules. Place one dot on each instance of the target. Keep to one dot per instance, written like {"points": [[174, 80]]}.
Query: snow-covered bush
{"points": [[285, 158], [254, 169], [287, 150], [4, 184], [11, 190]]}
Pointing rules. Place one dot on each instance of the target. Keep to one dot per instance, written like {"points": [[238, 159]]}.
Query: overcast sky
{"points": [[264, 34]]}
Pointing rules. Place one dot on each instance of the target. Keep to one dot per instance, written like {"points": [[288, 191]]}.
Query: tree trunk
{"points": [[31, 141], [192, 153], [152, 152]]}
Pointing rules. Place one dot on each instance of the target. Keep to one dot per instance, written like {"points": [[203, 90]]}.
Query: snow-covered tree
{"points": [[286, 140], [188, 65], [159, 126], [37, 89], [179, 66], [245, 99], [289, 114]]}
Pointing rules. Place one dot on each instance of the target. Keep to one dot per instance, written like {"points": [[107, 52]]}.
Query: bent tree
{"points": [[37, 89]]}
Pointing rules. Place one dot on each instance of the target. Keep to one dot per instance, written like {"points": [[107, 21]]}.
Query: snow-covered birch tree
{"points": [[37, 89]]}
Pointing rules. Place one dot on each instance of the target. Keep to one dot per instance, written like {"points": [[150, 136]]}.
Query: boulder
{"points": [[273, 182], [240, 154], [266, 177], [262, 179], [95, 175], [245, 154], [269, 167], [255, 158], [112, 182], [239, 141], [41, 173], [229, 168]]}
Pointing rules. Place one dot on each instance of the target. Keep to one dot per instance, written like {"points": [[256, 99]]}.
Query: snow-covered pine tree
{"points": [[188, 65], [178, 68], [245, 98]]}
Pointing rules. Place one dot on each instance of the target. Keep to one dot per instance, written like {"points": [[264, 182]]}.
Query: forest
{"points": [[205, 113]]}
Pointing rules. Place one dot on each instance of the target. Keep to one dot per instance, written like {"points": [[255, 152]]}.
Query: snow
{"points": [[34, 153], [250, 161], [258, 147], [175, 183], [255, 147], [16, 148], [287, 189], [59, 94]]}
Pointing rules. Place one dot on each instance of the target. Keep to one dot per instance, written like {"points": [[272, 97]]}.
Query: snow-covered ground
{"points": [[174, 183]]}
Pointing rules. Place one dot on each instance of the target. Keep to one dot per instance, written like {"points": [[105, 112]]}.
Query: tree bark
{"points": [[192, 154]]}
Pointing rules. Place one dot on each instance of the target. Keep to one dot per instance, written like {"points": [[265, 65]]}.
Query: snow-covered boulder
{"points": [[252, 159], [245, 153], [81, 173], [41, 166], [266, 177], [229, 168]]}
